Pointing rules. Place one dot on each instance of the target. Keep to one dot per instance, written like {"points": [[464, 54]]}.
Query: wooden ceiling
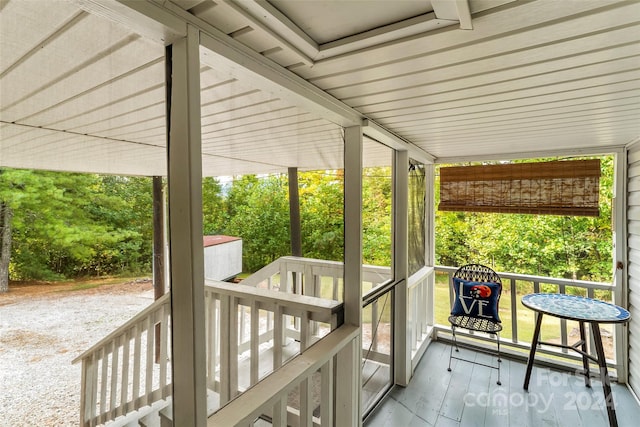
{"points": [[83, 91]]}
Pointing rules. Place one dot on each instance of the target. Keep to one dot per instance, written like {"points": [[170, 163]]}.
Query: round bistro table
{"points": [[583, 310]]}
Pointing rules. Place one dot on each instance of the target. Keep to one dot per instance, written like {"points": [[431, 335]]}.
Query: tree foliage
{"points": [[67, 225]]}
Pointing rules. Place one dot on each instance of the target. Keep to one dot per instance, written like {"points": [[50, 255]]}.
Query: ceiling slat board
{"points": [[588, 133], [512, 50], [562, 81], [575, 88], [491, 71], [260, 131], [273, 119], [631, 97], [632, 109], [25, 20], [53, 64], [74, 82], [497, 25], [521, 128], [130, 93]]}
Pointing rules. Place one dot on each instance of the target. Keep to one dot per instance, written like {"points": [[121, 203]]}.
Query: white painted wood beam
{"points": [[225, 54], [185, 231], [146, 18], [464, 14], [280, 24], [382, 135], [263, 17], [386, 34]]}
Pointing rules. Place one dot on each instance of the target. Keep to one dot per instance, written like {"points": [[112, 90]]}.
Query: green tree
{"points": [[213, 207], [66, 225], [322, 214], [259, 214]]}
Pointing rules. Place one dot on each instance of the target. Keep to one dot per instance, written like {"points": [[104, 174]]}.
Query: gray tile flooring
{"points": [[469, 396]]}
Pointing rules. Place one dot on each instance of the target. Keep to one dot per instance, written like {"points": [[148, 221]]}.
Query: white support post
{"points": [[348, 409], [430, 238], [185, 222], [620, 260], [401, 324]]}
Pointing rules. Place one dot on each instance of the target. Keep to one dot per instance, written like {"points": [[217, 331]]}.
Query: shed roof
{"points": [[218, 240]]}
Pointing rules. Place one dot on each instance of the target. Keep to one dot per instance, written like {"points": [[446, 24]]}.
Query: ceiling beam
{"points": [[382, 135]]}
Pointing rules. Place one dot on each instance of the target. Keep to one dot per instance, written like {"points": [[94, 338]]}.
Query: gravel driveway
{"points": [[41, 333]]}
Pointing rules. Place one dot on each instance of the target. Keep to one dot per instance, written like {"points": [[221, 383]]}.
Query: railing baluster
{"points": [[164, 346], [124, 390], [255, 342], [278, 334], [279, 413], [103, 383], [137, 351], [214, 336], [305, 338], [306, 403], [148, 385], [326, 394], [113, 391], [233, 345], [514, 311], [225, 353], [94, 386]]}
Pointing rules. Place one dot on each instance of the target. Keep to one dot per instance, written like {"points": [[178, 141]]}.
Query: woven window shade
{"points": [[555, 188]]}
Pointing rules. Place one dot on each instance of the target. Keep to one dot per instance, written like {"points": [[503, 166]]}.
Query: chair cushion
{"points": [[476, 299]]}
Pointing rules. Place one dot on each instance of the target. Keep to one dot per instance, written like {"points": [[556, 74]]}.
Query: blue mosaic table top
{"points": [[576, 308]]}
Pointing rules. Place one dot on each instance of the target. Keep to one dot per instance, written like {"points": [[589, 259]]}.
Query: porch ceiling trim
{"points": [[569, 152]]}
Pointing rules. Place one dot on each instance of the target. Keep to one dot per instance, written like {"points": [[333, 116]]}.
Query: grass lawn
{"points": [[526, 320]]}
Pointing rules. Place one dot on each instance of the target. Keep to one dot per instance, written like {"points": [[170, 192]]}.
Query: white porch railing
{"points": [[120, 373], [420, 316], [313, 373], [516, 335], [243, 326], [323, 279]]}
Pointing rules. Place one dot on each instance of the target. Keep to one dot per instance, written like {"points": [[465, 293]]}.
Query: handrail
{"points": [[291, 303], [129, 323], [541, 279], [273, 390]]}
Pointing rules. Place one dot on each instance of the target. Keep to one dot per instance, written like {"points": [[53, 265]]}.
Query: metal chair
{"points": [[477, 291]]}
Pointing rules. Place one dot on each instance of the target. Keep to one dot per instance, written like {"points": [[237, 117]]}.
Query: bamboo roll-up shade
{"points": [[567, 187]]}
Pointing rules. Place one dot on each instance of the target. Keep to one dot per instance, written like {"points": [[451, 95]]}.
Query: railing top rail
{"points": [[308, 303], [249, 405], [542, 279], [129, 323], [419, 275]]}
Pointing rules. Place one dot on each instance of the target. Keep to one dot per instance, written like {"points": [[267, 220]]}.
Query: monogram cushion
{"points": [[476, 299]]}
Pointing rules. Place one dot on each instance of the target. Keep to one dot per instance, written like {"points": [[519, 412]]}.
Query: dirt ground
{"points": [[111, 286], [43, 327]]}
